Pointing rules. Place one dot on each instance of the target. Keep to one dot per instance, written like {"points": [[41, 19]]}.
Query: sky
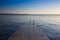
{"points": [[30, 6]]}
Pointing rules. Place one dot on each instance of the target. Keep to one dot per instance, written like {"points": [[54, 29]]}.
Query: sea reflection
{"points": [[10, 23]]}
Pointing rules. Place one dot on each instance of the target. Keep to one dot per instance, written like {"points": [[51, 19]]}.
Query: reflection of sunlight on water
{"points": [[52, 25], [39, 19], [49, 19]]}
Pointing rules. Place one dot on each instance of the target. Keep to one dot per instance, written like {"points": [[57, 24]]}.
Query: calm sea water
{"points": [[10, 23]]}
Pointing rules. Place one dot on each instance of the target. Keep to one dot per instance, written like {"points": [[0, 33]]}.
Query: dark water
{"points": [[10, 23]]}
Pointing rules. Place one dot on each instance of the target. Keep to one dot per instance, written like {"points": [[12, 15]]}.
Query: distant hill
{"points": [[12, 14], [31, 14]]}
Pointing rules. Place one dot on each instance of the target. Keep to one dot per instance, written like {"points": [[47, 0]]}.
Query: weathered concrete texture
{"points": [[29, 32]]}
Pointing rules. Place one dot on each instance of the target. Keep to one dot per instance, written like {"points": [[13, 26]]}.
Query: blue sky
{"points": [[30, 6]]}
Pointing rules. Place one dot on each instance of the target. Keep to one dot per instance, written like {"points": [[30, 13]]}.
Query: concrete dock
{"points": [[29, 32]]}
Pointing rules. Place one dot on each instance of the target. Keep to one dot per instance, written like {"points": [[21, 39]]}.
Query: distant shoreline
{"points": [[35, 14]]}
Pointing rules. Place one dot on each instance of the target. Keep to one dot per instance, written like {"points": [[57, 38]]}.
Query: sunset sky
{"points": [[30, 6]]}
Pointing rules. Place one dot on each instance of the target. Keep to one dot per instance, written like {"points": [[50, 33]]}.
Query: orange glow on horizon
{"points": [[33, 12]]}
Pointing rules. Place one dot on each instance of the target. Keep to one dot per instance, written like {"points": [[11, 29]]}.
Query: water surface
{"points": [[10, 23]]}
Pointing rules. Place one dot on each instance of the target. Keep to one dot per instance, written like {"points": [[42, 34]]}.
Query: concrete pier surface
{"points": [[29, 32]]}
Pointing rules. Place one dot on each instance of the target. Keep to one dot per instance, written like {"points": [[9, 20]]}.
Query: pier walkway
{"points": [[29, 32]]}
